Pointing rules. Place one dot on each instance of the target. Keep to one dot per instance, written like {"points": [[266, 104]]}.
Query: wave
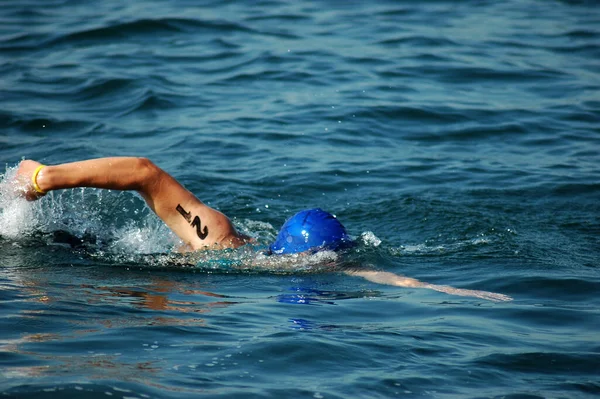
{"points": [[418, 41], [280, 18], [430, 115], [145, 28], [150, 101], [137, 29], [558, 362], [153, 28], [28, 124]]}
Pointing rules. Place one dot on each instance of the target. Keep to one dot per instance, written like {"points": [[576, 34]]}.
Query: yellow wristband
{"points": [[34, 180]]}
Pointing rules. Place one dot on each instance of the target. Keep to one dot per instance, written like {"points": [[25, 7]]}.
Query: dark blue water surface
{"points": [[459, 142]]}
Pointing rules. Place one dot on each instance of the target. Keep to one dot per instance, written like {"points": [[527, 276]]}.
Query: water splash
{"points": [[107, 221], [152, 237], [368, 238], [495, 239], [17, 216]]}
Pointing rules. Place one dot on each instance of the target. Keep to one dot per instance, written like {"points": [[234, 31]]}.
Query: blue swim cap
{"points": [[310, 229]]}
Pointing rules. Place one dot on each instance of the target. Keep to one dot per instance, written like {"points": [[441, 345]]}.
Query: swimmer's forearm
{"points": [[387, 278], [119, 173]]}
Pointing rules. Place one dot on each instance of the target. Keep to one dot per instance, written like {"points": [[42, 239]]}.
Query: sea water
{"points": [[458, 142]]}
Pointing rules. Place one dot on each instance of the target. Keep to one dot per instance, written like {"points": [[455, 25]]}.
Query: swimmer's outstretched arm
{"points": [[401, 281], [198, 225]]}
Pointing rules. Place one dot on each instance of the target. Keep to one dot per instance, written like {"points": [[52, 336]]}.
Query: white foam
{"points": [[152, 237], [370, 239], [293, 262], [17, 215]]}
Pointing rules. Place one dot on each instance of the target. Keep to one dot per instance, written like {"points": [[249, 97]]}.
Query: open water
{"points": [[459, 142]]}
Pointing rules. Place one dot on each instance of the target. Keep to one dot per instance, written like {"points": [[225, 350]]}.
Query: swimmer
{"points": [[198, 225]]}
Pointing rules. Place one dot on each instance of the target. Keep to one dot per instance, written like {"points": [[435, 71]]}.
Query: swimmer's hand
{"points": [[23, 183], [490, 296], [401, 281]]}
